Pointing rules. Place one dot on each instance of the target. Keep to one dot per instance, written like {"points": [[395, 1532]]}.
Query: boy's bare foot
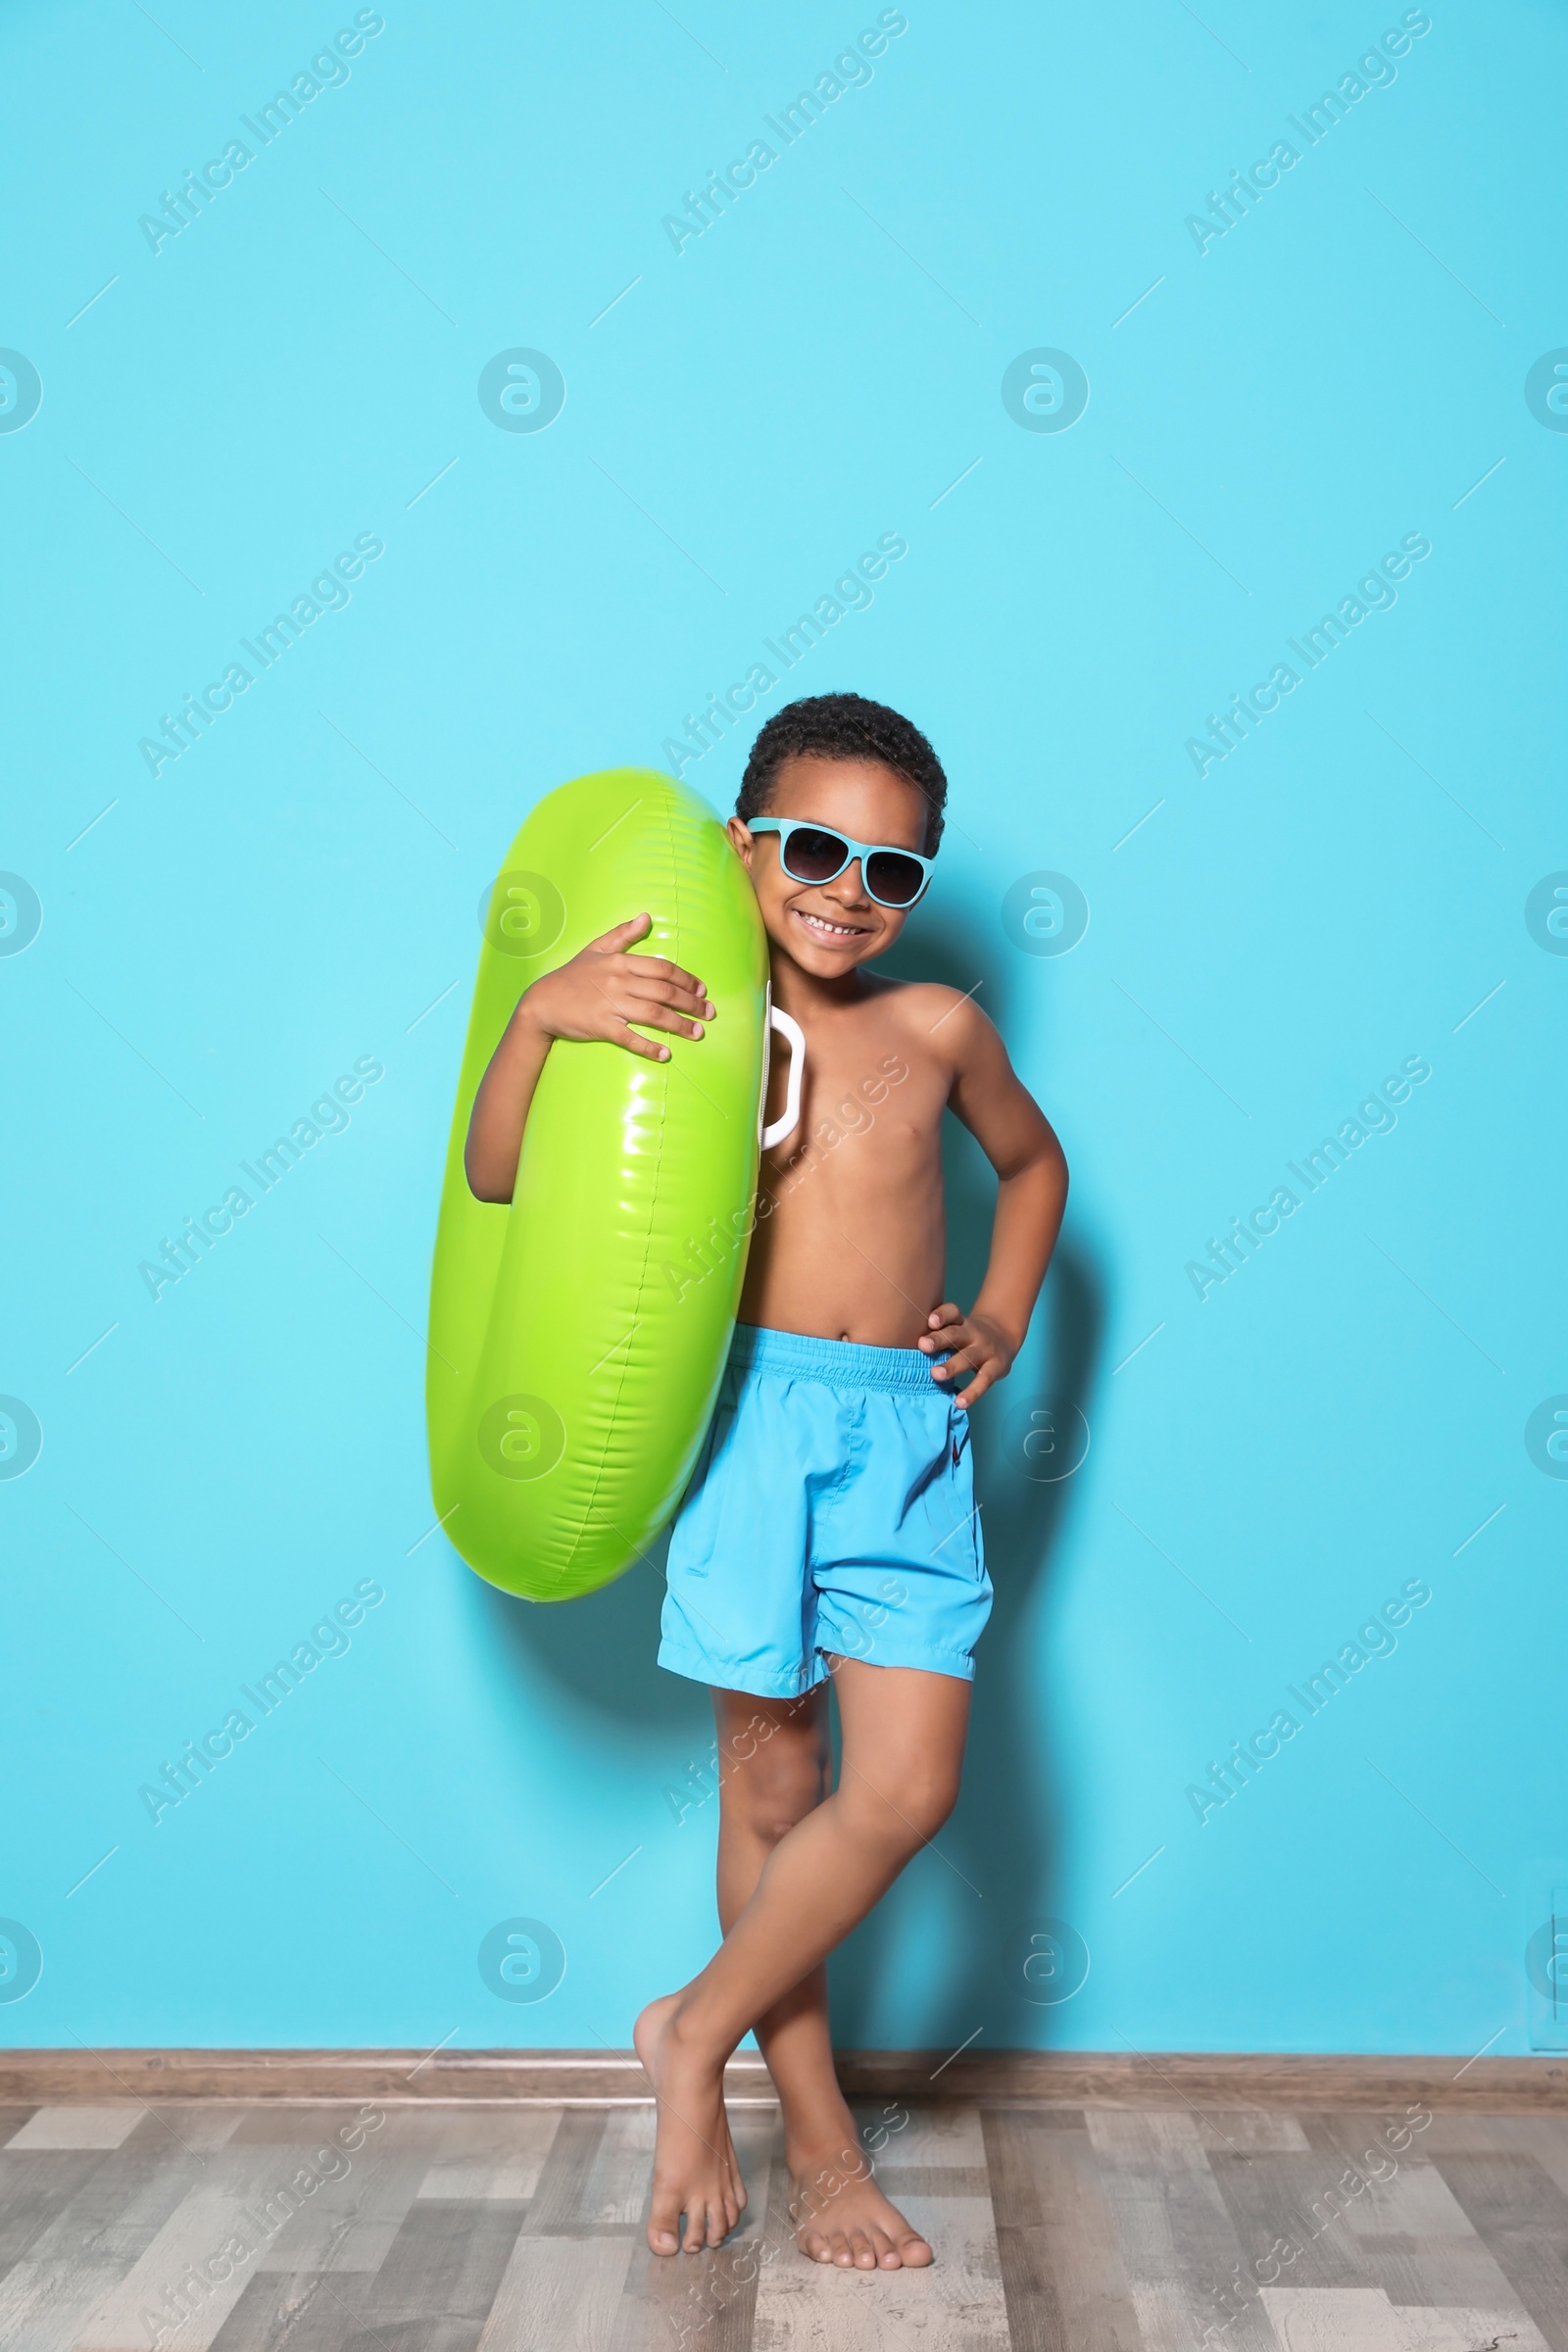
{"points": [[842, 2217], [696, 2173]]}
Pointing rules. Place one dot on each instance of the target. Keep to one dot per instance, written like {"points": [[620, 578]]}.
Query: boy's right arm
{"points": [[593, 999]]}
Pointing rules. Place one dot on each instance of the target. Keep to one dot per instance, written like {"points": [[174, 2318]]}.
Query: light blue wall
{"points": [[1266, 943]]}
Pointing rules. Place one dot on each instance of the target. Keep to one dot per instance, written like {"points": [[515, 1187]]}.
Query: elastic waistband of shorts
{"points": [[840, 1364]]}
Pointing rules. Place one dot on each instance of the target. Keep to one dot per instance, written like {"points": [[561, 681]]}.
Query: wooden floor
{"points": [[483, 2228]]}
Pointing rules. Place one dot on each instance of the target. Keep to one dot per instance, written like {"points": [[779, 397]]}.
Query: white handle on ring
{"points": [[789, 1117]]}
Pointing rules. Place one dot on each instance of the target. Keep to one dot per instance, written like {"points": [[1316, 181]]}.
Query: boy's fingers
{"points": [[659, 967], [660, 1005], [693, 1002], [631, 1008], [655, 1017], [641, 1045], [991, 1368], [666, 992], [939, 1332], [629, 929]]}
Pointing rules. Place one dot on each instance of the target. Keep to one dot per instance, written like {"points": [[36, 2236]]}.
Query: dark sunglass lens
{"points": [[893, 878], [812, 856]]}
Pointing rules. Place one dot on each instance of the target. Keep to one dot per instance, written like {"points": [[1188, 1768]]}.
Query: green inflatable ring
{"points": [[577, 1336]]}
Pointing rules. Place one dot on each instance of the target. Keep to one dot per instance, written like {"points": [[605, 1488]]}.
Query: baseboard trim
{"points": [[614, 2078]]}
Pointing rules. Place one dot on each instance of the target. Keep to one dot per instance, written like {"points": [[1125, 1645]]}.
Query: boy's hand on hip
{"points": [[603, 990], [978, 1343]]}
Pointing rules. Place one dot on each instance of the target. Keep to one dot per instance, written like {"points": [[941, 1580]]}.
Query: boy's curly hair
{"points": [[845, 726]]}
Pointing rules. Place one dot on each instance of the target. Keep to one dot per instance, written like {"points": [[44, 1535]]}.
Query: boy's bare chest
{"points": [[873, 1095]]}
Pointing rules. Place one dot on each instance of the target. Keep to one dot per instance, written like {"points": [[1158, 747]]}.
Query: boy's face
{"points": [[829, 927]]}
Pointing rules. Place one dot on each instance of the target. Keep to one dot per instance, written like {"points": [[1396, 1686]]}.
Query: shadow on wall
{"points": [[997, 1865], [601, 1648], [1002, 1842], [1029, 1436]]}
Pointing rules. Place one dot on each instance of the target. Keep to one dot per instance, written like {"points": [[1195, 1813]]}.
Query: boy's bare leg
{"points": [[773, 1760], [904, 1734]]}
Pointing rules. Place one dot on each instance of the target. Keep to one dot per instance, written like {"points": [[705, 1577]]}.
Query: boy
{"points": [[830, 1528]]}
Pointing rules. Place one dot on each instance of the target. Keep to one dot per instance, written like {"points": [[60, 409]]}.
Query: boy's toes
{"points": [[913, 2253], [887, 2253], [865, 2252], [720, 2222], [663, 2227]]}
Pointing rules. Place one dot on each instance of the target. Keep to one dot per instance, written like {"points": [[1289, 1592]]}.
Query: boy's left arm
{"points": [[1021, 1144]]}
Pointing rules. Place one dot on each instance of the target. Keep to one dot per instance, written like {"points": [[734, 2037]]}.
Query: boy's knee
{"points": [[930, 1804], [772, 1783], [916, 1804], [771, 1803]]}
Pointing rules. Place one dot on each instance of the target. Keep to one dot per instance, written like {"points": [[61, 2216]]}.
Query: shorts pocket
{"points": [[962, 1495]]}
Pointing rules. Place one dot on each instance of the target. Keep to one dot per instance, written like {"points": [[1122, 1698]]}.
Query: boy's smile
{"points": [[821, 928], [828, 928]]}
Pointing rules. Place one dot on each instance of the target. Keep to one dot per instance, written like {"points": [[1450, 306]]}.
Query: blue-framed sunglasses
{"points": [[814, 853]]}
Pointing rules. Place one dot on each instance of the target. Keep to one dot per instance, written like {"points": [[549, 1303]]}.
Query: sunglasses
{"points": [[814, 853]]}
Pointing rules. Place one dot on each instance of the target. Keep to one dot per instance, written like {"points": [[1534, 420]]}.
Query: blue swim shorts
{"points": [[831, 1511]]}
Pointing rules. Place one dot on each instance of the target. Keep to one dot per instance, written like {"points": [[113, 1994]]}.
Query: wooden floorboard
{"points": [[455, 2227], [1288, 2082], [1180, 2240], [308, 2311], [436, 2288], [1061, 2267], [33, 2190], [1523, 2217]]}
